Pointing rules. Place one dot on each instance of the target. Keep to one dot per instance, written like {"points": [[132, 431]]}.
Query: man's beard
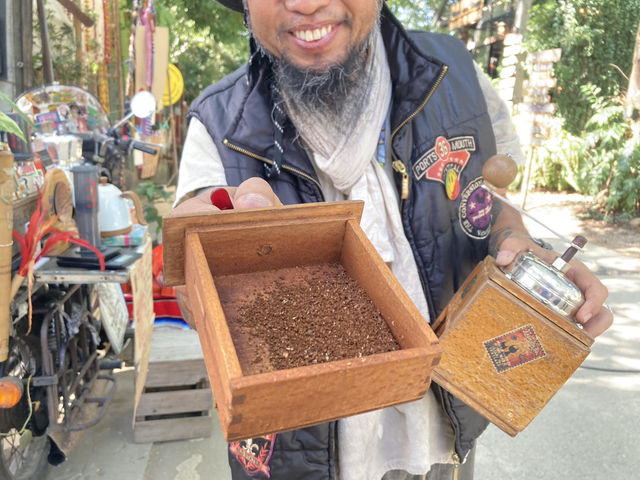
{"points": [[334, 92], [333, 95]]}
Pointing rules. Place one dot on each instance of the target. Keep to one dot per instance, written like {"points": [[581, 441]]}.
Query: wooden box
{"points": [[505, 353], [202, 250], [176, 401]]}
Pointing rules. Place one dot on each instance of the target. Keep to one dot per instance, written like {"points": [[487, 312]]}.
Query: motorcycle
{"points": [[74, 128], [55, 382]]}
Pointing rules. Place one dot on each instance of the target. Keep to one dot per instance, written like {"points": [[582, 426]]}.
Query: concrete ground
{"points": [[590, 430]]}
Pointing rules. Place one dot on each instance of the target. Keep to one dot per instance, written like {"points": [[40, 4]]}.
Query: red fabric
{"points": [[158, 278], [162, 307]]}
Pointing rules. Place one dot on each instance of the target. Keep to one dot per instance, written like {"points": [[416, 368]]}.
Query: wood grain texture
{"points": [[217, 346], [255, 241], [509, 396], [174, 226], [175, 401], [172, 429], [288, 399], [363, 263]]}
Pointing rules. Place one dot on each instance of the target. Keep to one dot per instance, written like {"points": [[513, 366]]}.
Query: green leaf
{"points": [[10, 102], [8, 125]]}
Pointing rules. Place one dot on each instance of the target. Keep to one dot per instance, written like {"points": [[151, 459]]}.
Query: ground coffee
{"points": [[302, 316]]}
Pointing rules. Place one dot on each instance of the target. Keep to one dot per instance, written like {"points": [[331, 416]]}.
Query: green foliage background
{"points": [[596, 36], [593, 149], [209, 41]]}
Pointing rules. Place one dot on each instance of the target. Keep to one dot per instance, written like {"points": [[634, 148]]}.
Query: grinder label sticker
{"points": [[514, 348]]}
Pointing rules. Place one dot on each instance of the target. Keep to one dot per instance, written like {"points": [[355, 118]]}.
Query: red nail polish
{"points": [[220, 198]]}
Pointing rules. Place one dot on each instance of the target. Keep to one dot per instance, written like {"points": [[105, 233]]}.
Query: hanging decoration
{"points": [[103, 68], [86, 32], [174, 87], [149, 23], [107, 32], [131, 61]]}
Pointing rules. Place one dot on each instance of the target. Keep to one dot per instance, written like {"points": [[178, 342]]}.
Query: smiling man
{"points": [[339, 102]]}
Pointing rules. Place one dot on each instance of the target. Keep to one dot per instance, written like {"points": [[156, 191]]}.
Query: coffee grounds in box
{"points": [[323, 317]]}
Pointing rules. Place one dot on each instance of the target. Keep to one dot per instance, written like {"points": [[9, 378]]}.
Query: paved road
{"points": [[590, 430]]}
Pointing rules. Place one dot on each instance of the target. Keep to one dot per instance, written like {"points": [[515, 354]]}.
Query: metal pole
{"points": [[528, 168]]}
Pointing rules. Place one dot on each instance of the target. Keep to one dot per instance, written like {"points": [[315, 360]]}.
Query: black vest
{"points": [[441, 134]]}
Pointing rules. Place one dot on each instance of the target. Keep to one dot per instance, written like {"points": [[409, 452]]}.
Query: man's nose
{"points": [[305, 7]]}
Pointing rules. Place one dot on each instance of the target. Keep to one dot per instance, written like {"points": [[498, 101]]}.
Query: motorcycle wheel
{"points": [[24, 463], [23, 456]]}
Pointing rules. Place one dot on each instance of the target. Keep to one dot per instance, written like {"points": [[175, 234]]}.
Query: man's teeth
{"points": [[313, 35]]}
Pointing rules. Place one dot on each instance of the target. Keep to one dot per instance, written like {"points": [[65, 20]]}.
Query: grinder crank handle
{"points": [[562, 263]]}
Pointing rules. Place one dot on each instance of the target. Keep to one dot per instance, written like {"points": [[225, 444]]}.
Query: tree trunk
{"points": [[520, 26], [633, 92]]}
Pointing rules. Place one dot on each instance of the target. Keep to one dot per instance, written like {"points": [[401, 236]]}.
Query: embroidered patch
{"points": [[514, 348], [446, 155], [474, 211], [254, 454]]}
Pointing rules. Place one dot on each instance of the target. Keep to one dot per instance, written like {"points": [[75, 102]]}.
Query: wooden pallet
{"points": [[176, 401]]}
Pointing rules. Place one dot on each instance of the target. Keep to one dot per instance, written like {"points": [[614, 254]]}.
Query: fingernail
{"points": [[220, 198], [252, 200], [504, 257]]}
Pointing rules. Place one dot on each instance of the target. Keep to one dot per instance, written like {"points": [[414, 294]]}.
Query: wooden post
{"points": [[6, 226]]}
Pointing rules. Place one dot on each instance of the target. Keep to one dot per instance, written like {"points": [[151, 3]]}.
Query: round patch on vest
{"points": [[475, 210]]}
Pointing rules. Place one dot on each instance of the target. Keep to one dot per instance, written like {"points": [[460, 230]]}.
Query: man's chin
{"points": [[316, 64]]}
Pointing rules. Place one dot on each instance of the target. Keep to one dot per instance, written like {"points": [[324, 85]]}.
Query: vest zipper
{"points": [[293, 170], [456, 466], [397, 164], [399, 167]]}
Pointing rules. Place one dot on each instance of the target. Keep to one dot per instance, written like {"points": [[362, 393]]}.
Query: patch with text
{"points": [[445, 161], [254, 454], [514, 348], [474, 211]]}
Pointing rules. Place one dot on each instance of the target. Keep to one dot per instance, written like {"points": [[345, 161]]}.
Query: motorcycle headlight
{"points": [[10, 392]]}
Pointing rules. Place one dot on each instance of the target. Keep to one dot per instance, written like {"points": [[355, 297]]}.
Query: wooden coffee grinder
{"points": [[510, 341]]}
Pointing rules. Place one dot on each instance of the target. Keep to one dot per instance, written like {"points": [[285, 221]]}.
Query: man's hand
{"points": [[252, 193], [592, 314]]}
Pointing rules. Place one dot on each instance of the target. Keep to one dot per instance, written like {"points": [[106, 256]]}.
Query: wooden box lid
{"points": [[215, 255]]}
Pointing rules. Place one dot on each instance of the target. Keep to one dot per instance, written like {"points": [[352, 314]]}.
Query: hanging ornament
{"points": [[103, 86], [131, 61], [86, 31], [107, 32], [149, 21]]}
